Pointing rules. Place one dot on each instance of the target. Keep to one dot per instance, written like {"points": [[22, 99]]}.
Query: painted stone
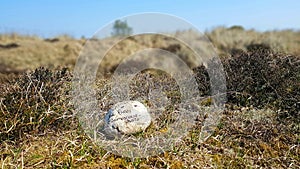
{"points": [[127, 117]]}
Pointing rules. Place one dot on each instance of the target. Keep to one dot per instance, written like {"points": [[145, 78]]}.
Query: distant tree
{"points": [[237, 27], [121, 28]]}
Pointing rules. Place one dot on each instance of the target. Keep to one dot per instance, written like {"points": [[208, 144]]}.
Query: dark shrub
{"points": [[35, 102], [262, 48], [260, 78]]}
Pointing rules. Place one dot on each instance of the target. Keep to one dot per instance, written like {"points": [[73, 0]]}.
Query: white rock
{"points": [[127, 117]]}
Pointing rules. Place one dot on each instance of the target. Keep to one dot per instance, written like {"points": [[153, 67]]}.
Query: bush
{"points": [[262, 78], [237, 27], [259, 78], [35, 102]]}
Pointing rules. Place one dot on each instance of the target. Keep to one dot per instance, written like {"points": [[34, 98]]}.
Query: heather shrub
{"points": [[262, 78], [35, 102]]}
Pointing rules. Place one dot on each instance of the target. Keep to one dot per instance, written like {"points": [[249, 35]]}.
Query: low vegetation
{"points": [[259, 127]]}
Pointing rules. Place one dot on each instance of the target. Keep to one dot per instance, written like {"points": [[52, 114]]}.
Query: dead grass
{"points": [[238, 143], [33, 52], [38, 129], [228, 39], [246, 137]]}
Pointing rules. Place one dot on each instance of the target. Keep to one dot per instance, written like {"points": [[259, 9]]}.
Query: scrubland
{"points": [[259, 128]]}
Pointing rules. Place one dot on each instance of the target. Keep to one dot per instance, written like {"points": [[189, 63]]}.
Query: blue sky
{"points": [[83, 18]]}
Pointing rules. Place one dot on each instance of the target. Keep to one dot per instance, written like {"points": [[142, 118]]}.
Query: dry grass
{"points": [[33, 52], [38, 129], [245, 137], [228, 39]]}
